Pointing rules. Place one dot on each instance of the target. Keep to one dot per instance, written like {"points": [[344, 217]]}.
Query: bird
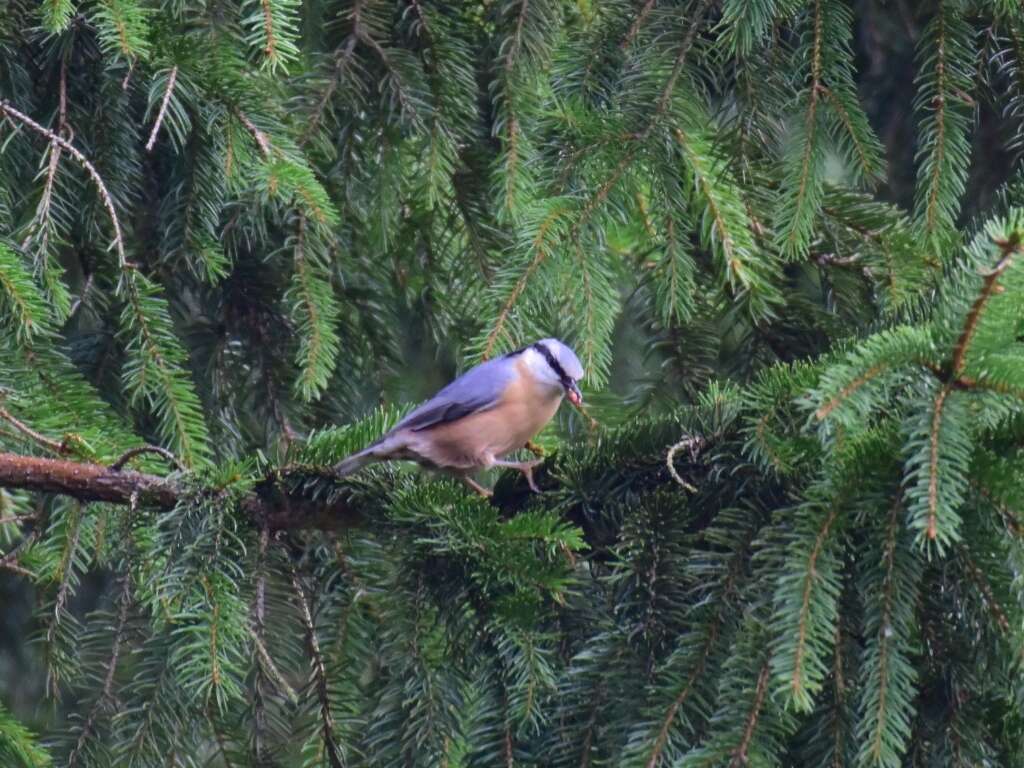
{"points": [[486, 413]]}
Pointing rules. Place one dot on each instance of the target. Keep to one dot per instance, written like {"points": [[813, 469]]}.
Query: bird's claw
{"points": [[535, 449], [484, 492], [527, 469]]}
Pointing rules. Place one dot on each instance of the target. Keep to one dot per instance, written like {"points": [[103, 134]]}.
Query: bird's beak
{"points": [[572, 391]]}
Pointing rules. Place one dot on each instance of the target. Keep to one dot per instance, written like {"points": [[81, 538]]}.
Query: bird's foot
{"points": [[535, 449], [526, 467], [485, 492]]}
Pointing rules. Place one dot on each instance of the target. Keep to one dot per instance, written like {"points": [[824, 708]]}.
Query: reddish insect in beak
{"points": [[573, 393]]}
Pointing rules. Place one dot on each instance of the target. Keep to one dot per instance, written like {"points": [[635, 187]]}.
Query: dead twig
{"points": [[172, 78], [132, 453], [694, 444]]}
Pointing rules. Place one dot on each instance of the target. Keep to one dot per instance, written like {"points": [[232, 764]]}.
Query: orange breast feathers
{"points": [[524, 409]]}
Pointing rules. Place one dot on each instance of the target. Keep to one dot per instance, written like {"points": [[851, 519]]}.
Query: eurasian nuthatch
{"points": [[486, 413]]}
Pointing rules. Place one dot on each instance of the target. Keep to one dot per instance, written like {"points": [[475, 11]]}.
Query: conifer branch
{"points": [[866, 162], [45, 202], [171, 378], [340, 62], [262, 141], [513, 120], [19, 519], [663, 101], [714, 627], [739, 755], [685, 691], [987, 596], [810, 124], [15, 568], [539, 255], [933, 461], [810, 575], [1010, 248], [270, 48], [319, 674], [275, 673], [256, 630], [108, 201], [106, 697], [823, 411], [885, 633], [939, 103], [638, 22], [84, 481], [63, 574]]}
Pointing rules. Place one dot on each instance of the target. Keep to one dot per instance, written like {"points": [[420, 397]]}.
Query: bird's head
{"points": [[558, 365]]}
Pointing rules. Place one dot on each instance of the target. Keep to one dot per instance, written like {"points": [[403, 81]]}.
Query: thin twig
{"points": [[256, 630], [832, 260], [260, 136], [988, 598], [694, 444], [15, 568], [20, 519], [635, 26], [10, 560], [133, 452], [163, 109], [933, 461], [340, 61], [82, 296], [67, 564], [51, 445], [275, 673]]}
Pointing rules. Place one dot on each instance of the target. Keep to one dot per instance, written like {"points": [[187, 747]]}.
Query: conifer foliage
{"points": [[786, 238]]}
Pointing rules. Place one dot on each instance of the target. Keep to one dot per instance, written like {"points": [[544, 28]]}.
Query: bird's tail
{"points": [[379, 450], [355, 462]]}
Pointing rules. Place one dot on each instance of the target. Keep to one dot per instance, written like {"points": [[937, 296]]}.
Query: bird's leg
{"points": [[526, 467], [533, 448], [485, 492]]}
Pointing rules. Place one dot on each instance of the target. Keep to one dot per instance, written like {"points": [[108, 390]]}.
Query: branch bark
{"points": [[268, 505], [86, 482]]}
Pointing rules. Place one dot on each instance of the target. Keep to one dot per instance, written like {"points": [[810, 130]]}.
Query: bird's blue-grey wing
{"points": [[478, 389]]}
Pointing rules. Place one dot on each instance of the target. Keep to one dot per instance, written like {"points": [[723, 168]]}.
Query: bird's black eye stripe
{"points": [[553, 362]]}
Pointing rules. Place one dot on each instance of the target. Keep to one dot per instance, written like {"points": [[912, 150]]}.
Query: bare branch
{"points": [[130, 454], [51, 445], [85, 481], [15, 568], [694, 444], [172, 78], [261, 138]]}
